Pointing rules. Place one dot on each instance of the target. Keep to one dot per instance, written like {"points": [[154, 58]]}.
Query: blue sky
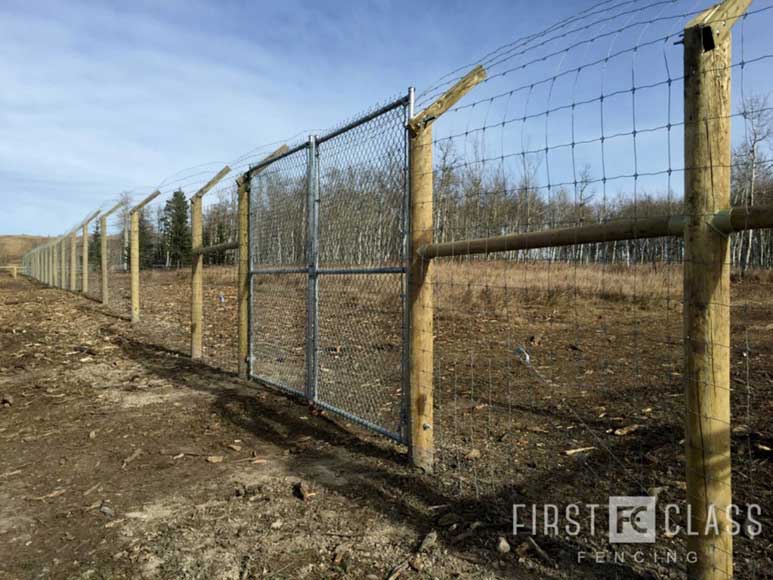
{"points": [[103, 97]]}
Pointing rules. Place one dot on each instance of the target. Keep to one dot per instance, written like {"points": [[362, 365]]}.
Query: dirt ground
{"points": [[120, 458]]}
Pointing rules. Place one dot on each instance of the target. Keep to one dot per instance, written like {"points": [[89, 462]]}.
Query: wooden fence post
{"points": [[85, 259], [58, 263], [134, 258], [707, 110], [197, 283], [103, 251], [63, 263], [73, 262], [421, 347], [103, 260], [243, 184], [197, 264], [420, 295], [134, 252]]}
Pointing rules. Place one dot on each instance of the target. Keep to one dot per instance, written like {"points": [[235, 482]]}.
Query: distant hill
{"points": [[12, 248]]}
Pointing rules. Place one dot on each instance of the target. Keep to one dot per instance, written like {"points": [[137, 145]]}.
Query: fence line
{"points": [[286, 257]]}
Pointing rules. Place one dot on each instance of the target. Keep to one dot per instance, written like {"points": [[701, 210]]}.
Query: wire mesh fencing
{"points": [[278, 260], [560, 365], [220, 279], [565, 363], [361, 254], [328, 230], [93, 271], [117, 259], [164, 292]]}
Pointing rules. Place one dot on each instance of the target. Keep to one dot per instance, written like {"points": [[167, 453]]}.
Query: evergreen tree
{"points": [[95, 246], [146, 240], [177, 229]]}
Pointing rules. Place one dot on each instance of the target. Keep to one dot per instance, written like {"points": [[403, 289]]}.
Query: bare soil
{"points": [[120, 458]]}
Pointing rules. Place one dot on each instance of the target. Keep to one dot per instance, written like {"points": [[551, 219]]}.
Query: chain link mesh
{"points": [[328, 279], [362, 205], [278, 200]]}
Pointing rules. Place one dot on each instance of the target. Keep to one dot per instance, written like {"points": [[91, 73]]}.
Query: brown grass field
{"points": [[604, 346], [12, 248]]}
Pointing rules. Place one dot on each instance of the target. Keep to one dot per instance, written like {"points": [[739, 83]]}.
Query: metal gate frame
{"points": [[313, 272]]}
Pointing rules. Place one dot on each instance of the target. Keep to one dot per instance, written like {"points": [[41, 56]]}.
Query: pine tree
{"points": [[146, 240], [95, 246], [177, 230]]}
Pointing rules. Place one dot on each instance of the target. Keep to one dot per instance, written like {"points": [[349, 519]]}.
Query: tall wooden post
{"points": [[134, 257], [63, 263], [197, 264], [85, 259], [420, 300], [134, 251], [57, 267], [197, 283], [73, 262], [103, 259], [243, 184], [421, 346], [707, 111]]}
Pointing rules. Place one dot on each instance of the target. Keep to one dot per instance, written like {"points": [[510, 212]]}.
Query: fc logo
{"points": [[632, 520]]}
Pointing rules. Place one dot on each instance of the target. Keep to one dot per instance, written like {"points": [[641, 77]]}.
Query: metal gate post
{"points": [[405, 383], [312, 256]]}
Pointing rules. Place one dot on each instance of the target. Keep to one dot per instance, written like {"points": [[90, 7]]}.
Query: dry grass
{"points": [[490, 282], [12, 248]]}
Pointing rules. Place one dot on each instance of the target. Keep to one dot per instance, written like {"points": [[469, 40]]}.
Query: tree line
{"points": [[361, 210], [165, 233]]}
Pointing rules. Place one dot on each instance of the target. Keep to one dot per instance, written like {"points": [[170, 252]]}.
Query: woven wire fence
{"points": [[93, 272], [165, 270], [118, 277], [278, 252], [558, 371], [220, 304]]}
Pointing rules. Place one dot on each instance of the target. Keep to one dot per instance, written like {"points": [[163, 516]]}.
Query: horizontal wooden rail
{"points": [[145, 201], [726, 221], [203, 250], [212, 183], [113, 209]]}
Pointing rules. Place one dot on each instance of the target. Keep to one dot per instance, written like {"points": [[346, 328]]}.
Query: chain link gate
{"points": [[328, 271]]}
